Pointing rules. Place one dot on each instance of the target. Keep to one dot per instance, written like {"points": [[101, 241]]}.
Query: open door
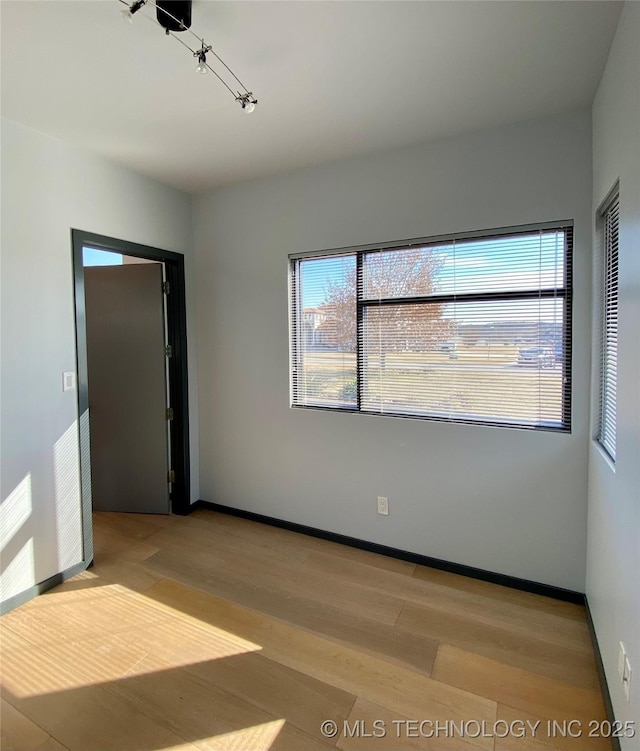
{"points": [[126, 362]]}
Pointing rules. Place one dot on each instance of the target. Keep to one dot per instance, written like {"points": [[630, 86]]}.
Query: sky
{"points": [[94, 257], [505, 263]]}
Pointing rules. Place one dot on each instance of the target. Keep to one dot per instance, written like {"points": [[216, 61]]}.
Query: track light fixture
{"points": [[175, 17], [201, 54], [132, 9], [247, 102]]}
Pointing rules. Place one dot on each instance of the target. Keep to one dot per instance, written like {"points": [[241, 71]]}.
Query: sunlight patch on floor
{"points": [[256, 738], [87, 637]]}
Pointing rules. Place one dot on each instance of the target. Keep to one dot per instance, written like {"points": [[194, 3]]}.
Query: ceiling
{"points": [[333, 79]]}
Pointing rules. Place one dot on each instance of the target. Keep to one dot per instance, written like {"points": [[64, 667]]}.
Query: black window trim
{"points": [[359, 251]]}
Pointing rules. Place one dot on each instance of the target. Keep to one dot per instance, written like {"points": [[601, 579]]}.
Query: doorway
{"points": [[148, 270], [127, 368]]}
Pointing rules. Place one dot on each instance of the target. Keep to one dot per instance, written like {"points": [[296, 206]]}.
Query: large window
{"points": [[609, 326], [468, 329]]}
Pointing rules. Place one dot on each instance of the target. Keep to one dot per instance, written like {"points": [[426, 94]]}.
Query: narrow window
{"points": [[609, 325]]}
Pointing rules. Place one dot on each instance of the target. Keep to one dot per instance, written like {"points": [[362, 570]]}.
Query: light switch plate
{"points": [[69, 381], [626, 678], [622, 653]]}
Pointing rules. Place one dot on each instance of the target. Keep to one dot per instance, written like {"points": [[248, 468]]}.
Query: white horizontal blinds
{"points": [[477, 333], [509, 263], [609, 332], [474, 330], [473, 361], [324, 331], [403, 272]]}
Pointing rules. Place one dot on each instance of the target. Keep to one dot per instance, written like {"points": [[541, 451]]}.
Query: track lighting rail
{"points": [[244, 97]]}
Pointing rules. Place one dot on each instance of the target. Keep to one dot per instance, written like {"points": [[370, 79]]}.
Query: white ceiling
{"points": [[333, 79]]}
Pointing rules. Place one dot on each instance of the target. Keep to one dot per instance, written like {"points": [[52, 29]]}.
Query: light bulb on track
{"points": [[247, 102], [129, 12], [201, 54]]}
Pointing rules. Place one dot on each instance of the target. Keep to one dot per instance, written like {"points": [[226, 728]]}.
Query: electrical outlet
{"points": [[622, 653], [626, 678], [383, 506]]}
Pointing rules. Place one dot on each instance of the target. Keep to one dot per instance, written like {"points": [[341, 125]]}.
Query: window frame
{"points": [[565, 292], [608, 289]]}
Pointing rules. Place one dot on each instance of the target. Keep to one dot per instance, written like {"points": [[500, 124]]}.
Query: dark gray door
{"points": [[127, 388]]}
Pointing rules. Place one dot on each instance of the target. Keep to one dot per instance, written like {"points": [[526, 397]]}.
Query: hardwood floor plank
{"points": [[305, 702], [496, 592], [539, 623], [208, 716], [131, 526], [542, 696], [401, 689], [156, 707], [507, 641], [109, 546], [209, 539], [542, 735], [130, 575], [10, 641], [249, 573], [107, 609], [184, 641], [86, 581], [370, 726], [249, 530], [80, 716], [310, 612], [106, 658], [218, 657], [90, 719], [18, 733]]}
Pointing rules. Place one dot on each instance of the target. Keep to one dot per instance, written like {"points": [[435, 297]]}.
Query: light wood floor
{"points": [[211, 632]]}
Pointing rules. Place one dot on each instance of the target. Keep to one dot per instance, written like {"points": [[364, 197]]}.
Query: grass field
{"points": [[476, 382]]}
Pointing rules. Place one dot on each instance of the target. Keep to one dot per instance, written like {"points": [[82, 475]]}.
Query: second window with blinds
{"points": [[467, 328], [608, 222]]}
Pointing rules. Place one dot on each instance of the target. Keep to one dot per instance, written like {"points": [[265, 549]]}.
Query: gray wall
{"points": [[613, 551], [48, 188], [510, 501]]}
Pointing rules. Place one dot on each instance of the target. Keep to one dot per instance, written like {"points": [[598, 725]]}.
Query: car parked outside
{"points": [[541, 357]]}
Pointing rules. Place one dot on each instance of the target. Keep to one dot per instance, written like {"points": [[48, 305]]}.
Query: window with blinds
{"points": [[609, 326], [472, 329]]}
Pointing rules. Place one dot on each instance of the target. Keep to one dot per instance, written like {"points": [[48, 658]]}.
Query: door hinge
{"points": [[168, 350], [166, 287], [171, 475], [169, 413]]}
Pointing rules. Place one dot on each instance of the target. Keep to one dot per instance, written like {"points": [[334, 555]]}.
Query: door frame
{"points": [[178, 368]]}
